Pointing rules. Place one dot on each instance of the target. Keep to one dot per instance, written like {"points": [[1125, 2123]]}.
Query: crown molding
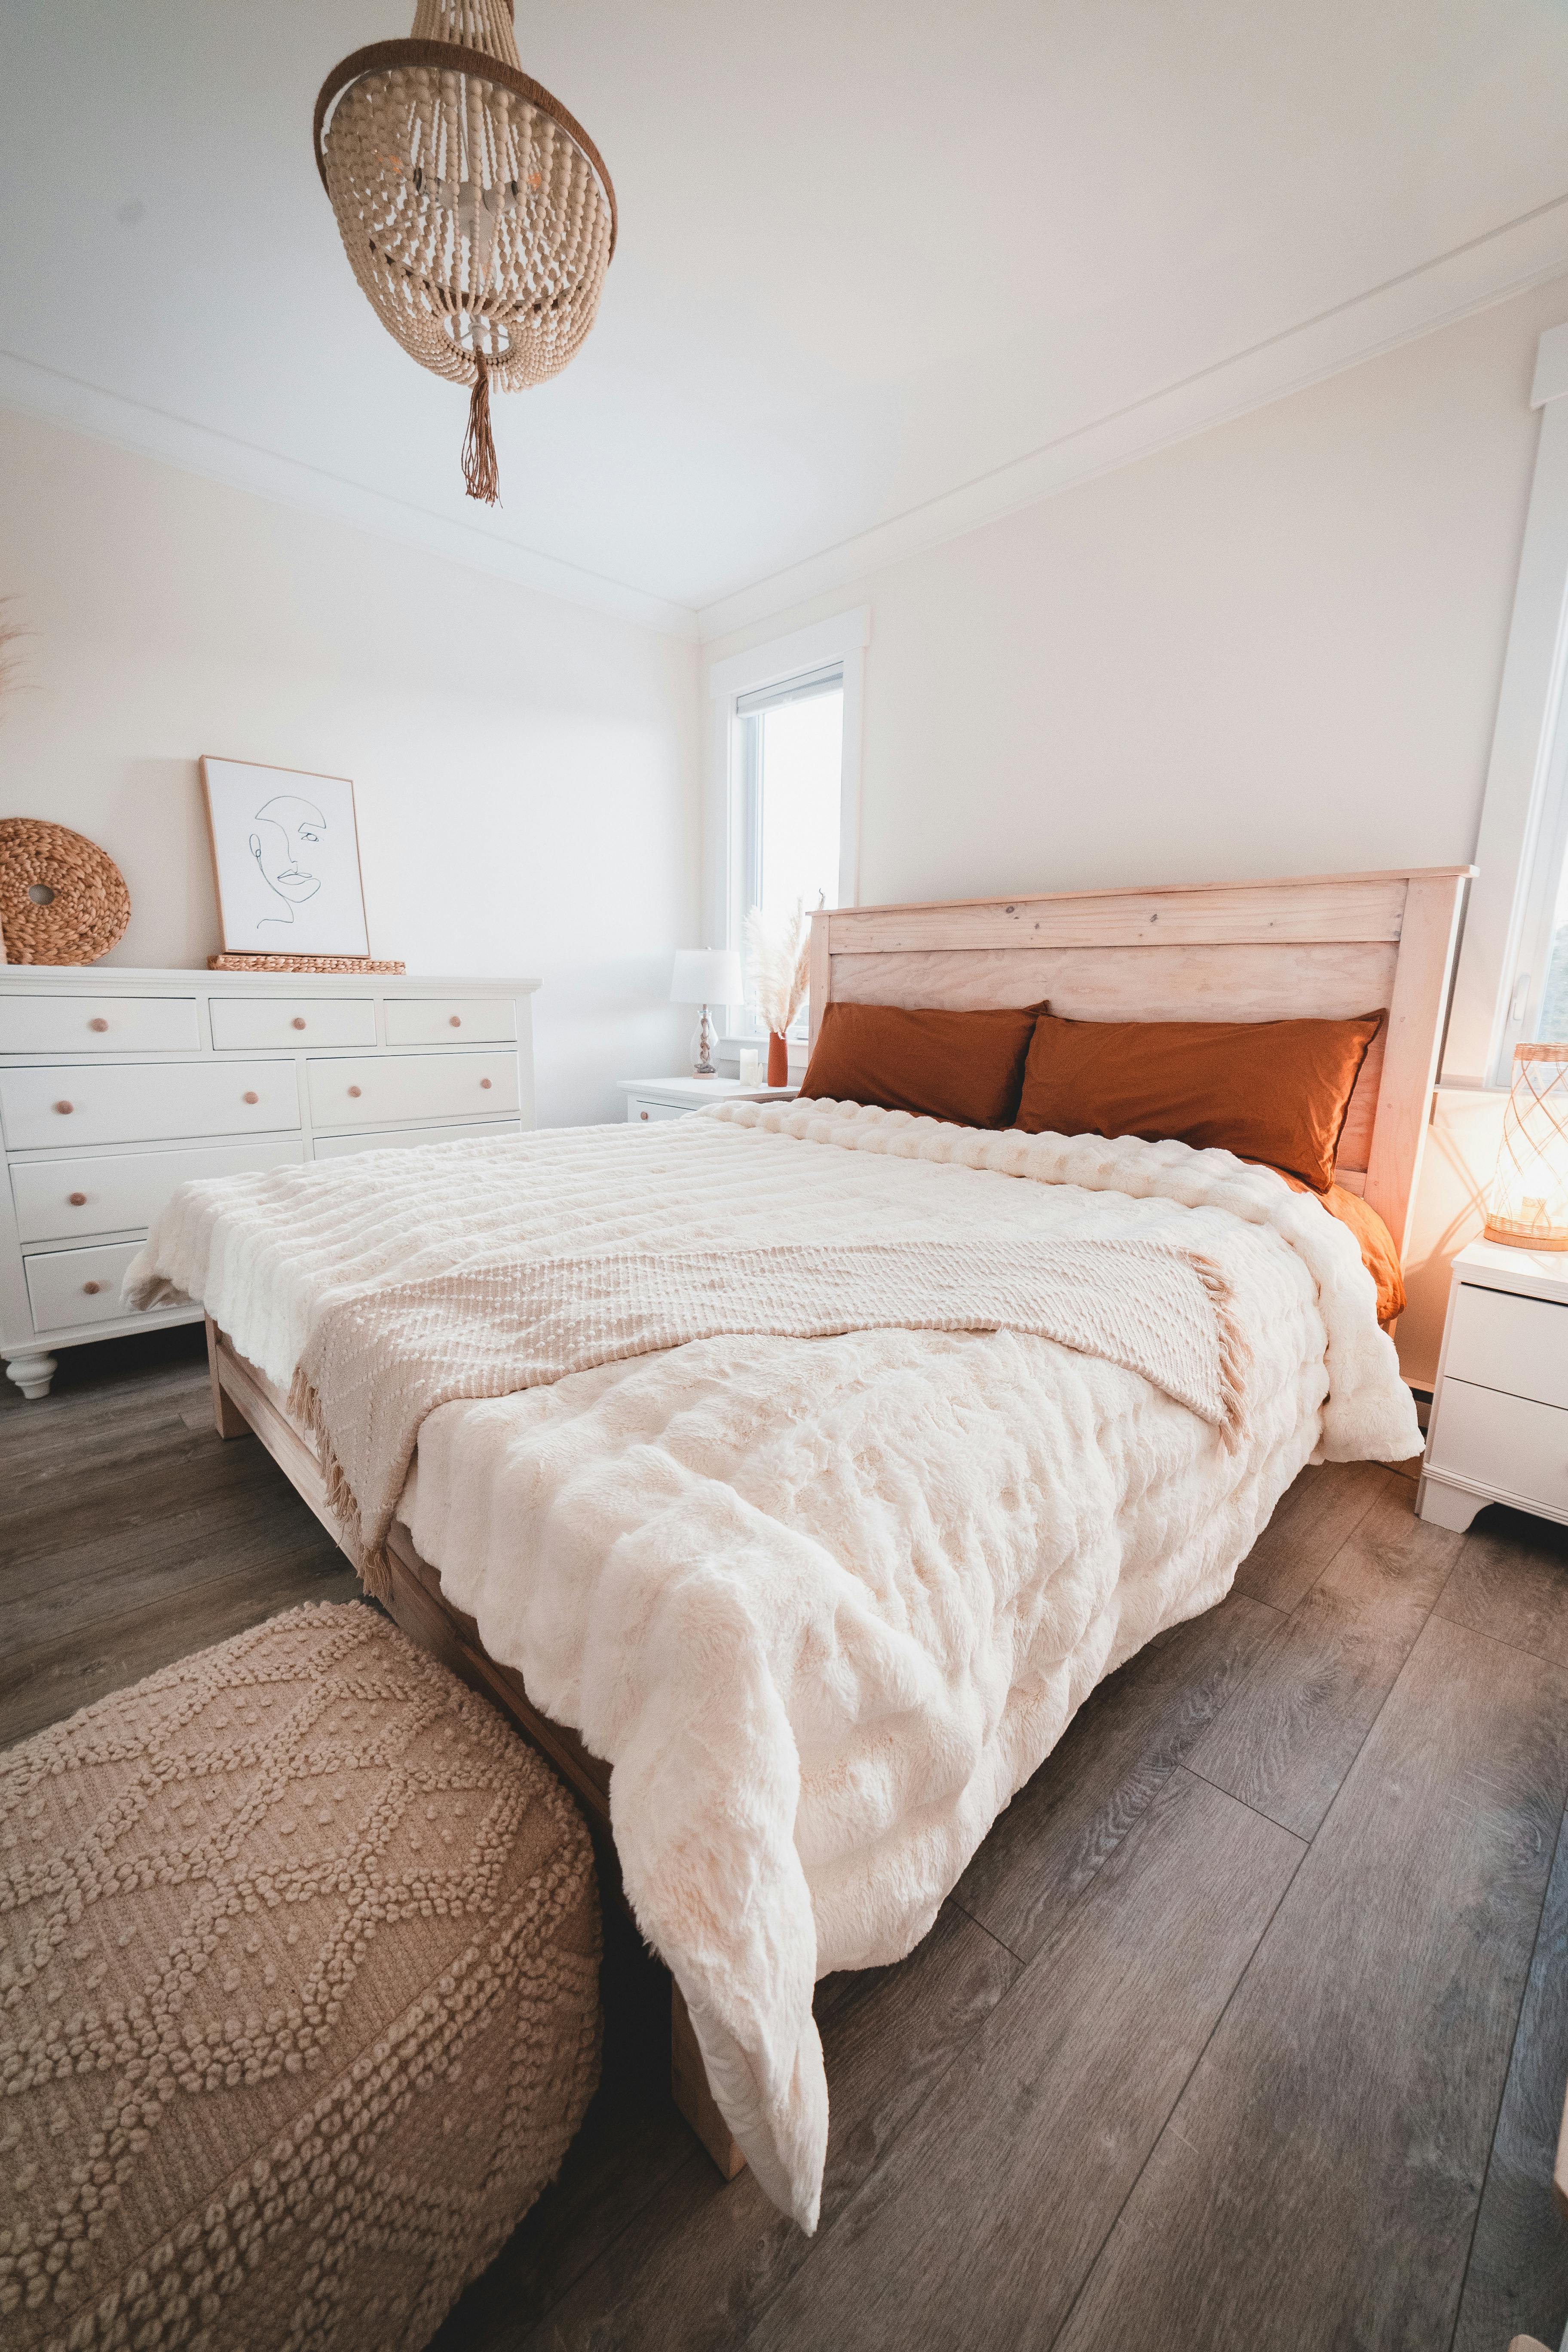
{"points": [[148, 432], [1507, 260]]}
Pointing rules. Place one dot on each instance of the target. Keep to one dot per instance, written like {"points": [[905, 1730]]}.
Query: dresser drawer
{"points": [[59, 1199], [1505, 1442], [79, 1286], [446, 1020], [333, 1147], [131, 1102], [1499, 1341], [641, 1109], [98, 1025], [369, 1093], [253, 1022]]}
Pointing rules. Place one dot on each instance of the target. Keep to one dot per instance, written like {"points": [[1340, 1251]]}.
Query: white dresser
{"points": [[1498, 1430], [117, 1084]]}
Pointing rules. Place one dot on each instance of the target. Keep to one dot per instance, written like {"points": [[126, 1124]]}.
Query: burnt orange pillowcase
{"points": [[1374, 1240], [964, 1066], [1271, 1090]]}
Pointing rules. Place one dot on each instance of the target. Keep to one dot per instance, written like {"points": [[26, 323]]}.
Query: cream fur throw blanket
{"points": [[826, 1603]]}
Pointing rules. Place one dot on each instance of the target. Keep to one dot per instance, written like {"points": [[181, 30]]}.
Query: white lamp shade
{"points": [[707, 976]]}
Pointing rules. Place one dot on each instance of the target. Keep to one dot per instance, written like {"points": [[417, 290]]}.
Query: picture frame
{"points": [[285, 862]]}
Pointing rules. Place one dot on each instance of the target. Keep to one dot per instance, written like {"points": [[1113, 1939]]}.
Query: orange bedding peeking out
{"points": [[1375, 1242]]}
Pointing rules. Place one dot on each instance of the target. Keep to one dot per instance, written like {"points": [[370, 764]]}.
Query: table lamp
{"points": [[706, 976], [1529, 1203]]}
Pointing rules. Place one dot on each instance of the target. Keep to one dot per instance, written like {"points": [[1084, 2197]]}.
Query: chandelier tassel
{"points": [[481, 475]]}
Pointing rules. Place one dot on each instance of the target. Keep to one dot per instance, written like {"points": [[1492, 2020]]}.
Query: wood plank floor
{"points": [[1246, 2028]]}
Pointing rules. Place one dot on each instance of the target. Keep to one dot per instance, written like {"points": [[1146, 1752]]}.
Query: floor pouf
{"points": [[298, 1999]]}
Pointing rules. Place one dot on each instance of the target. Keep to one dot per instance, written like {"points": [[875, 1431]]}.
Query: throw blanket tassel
{"points": [[371, 1563]]}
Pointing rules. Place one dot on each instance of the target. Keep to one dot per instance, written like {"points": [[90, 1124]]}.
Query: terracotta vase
{"points": [[778, 1060]]}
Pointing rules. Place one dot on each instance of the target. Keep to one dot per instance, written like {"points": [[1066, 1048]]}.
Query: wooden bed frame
{"points": [[1332, 946]]}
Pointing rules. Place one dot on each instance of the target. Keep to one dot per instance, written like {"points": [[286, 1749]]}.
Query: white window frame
{"points": [[1524, 815], [843, 639]]}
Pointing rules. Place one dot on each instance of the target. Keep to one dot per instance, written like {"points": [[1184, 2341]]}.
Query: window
{"points": [[1512, 986], [1540, 989], [1533, 998], [791, 759], [782, 802]]}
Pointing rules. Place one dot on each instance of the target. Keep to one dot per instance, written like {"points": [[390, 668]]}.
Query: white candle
{"points": [[750, 1065]]}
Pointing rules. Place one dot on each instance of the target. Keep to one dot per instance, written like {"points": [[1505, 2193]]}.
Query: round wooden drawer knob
{"points": [[353, 1090], [454, 1020], [92, 1288], [484, 1082], [250, 1097], [65, 1108], [78, 1200], [297, 1022], [99, 1025], [642, 1113]]}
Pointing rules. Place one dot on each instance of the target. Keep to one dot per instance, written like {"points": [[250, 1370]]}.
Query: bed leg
{"points": [[228, 1419], [689, 2088]]}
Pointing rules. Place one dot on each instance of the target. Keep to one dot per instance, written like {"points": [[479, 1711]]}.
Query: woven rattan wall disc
{"points": [[88, 904]]}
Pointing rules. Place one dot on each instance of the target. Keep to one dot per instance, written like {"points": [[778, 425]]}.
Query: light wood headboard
{"points": [[1329, 947]]}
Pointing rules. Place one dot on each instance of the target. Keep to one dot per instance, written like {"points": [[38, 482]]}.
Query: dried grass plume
{"points": [[781, 965]]}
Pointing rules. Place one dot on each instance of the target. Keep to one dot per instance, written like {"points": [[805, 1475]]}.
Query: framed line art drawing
{"points": [[286, 859]]}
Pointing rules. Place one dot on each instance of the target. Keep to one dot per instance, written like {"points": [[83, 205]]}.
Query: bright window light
{"points": [[792, 748]]}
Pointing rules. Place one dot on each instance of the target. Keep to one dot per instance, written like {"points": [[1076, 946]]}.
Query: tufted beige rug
{"points": [[298, 1999]]}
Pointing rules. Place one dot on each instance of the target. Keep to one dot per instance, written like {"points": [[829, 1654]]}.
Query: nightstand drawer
{"points": [[369, 1093], [1505, 1442], [640, 1110], [1500, 1341]]}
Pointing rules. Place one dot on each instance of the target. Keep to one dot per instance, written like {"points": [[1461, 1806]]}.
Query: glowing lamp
{"points": [[1528, 1205]]}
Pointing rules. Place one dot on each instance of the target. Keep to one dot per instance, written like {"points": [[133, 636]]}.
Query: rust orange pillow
{"points": [[964, 1066], [1374, 1240], [1272, 1090]]}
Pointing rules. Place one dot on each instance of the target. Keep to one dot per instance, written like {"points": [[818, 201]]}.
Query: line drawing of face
{"points": [[289, 831]]}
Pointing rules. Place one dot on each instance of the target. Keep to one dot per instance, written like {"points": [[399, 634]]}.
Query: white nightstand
{"points": [[1498, 1428], [652, 1098]]}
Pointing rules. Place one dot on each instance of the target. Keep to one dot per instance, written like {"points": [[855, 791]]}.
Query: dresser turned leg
{"points": [[32, 1372]]}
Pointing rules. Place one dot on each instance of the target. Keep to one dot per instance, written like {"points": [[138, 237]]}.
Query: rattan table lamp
{"points": [[1529, 1202], [475, 213]]}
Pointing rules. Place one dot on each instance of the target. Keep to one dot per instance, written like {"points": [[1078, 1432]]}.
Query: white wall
{"points": [[524, 769], [1272, 649]]}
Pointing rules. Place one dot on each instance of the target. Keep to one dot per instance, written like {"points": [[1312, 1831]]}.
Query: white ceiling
{"points": [[883, 269]]}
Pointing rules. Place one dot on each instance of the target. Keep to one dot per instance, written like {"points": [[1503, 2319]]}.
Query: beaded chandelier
{"points": [[476, 214]]}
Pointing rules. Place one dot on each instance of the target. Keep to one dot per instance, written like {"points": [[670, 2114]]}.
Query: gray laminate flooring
{"points": [[1246, 2028]]}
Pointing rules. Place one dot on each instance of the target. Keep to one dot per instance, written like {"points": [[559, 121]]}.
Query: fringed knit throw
{"points": [[381, 1359]]}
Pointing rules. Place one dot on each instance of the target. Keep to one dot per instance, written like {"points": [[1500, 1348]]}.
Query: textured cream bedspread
{"points": [[823, 1605]]}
